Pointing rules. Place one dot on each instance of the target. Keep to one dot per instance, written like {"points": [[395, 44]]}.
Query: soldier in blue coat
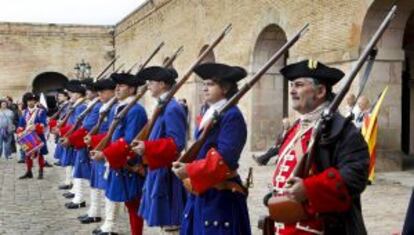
{"points": [[64, 104], [217, 202], [106, 92], [82, 166], [33, 120], [124, 185], [163, 193], [77, 96]]}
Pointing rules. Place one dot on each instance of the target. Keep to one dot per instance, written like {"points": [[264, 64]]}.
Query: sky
{"points": [[94, 12]]}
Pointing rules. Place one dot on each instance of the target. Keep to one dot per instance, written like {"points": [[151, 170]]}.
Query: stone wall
{"points": [[32, 49]]}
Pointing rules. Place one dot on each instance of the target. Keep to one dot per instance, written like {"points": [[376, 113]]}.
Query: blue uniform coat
{"points": [[163, 194], [68, 154], [82, 167], [58, 149], [122, 185], [220, 211], [97, 166]]}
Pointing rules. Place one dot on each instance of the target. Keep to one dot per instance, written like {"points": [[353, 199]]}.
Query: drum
{"points": [[30, 142]]}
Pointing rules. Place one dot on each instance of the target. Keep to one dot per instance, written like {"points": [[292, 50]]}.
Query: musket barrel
{"points": [[107, 67]]}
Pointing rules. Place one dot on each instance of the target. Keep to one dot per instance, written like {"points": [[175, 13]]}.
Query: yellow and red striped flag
{"points": [[370, 130]]}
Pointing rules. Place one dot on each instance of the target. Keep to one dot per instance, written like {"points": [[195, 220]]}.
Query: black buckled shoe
{"points": [[107, 233], [71, 205], [68, 195], [81, 217], [89, 220], [27, 175], [65, 187]]}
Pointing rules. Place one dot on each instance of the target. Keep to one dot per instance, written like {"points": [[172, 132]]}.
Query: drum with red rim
{"points": [[30, 142]]}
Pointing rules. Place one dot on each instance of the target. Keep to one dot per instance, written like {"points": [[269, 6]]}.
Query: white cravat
{"points": [[92, 102], [78, 101], [208, 115], [307, 119], [124, 102], [105, 106]]}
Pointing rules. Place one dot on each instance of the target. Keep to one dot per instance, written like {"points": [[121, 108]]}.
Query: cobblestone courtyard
{"points": [[37, 206]]}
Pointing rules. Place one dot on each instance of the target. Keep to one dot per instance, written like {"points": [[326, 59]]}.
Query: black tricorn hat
{"points": [[312, 69], [75, 86], [158, 73], [88, 84], [62, 91], [127, 79], [30, 96], [104, 84], [222, 72]]}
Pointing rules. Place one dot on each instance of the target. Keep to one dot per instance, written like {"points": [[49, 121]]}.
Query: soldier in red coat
{"points": [[330, 195]]}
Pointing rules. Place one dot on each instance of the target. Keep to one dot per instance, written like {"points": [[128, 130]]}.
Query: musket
{"points": [[192, 152], [364, 80], [285, 209], [80, 118], [69, 113], [104, 142], [101, 118], [146, 130], [115, 71], [55, 115], [142, 66], [107, 67]]}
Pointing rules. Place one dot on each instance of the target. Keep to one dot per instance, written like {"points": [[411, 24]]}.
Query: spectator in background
{"points": [[351, 106], [7, 129], [15, 109], [364, 107]]}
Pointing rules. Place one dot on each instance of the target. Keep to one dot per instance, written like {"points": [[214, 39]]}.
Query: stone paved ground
{"points": [[37, 206]]}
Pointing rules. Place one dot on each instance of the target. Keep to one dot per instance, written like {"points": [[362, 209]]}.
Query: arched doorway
{"points": [[395, 136], [270, 95], [47, 83]]}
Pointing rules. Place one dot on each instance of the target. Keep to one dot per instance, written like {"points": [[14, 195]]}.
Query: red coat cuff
{"points": [[117, 153], [76, 138], [207, 172], [52, 123], [64, 129], [327, 192], [96, 139], [160, 153], [39, 129]]}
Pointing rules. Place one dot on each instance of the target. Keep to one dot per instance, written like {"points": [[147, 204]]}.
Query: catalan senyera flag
{"points": [[369, 131]]}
